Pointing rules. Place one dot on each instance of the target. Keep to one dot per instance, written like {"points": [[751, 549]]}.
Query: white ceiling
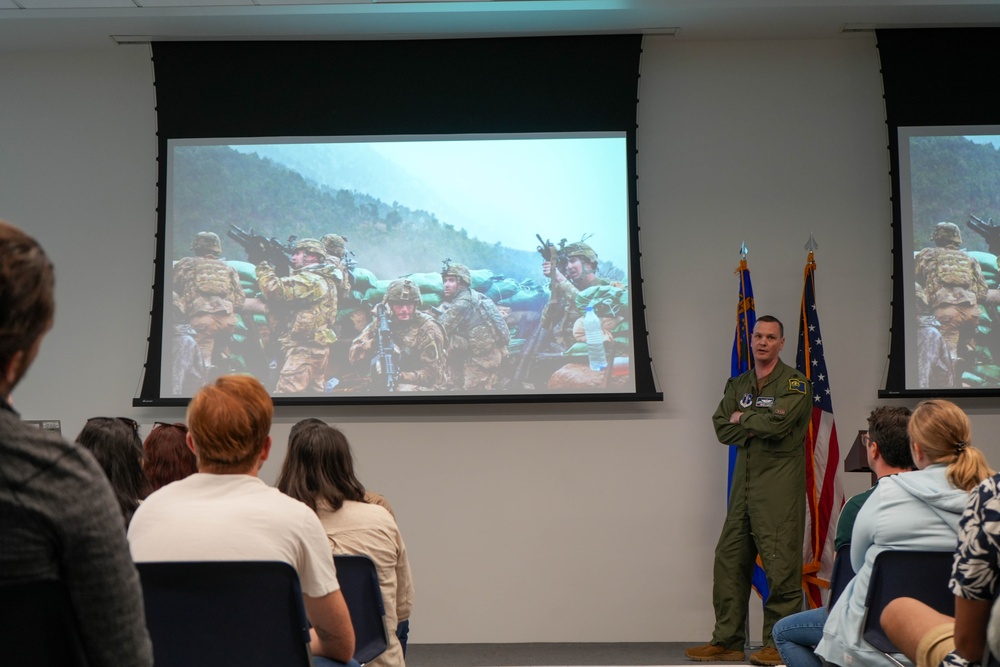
{"points": [[48, 24]]}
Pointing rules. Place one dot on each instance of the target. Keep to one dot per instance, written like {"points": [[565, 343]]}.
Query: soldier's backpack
{"points": [[490, 312], [212, 279]]}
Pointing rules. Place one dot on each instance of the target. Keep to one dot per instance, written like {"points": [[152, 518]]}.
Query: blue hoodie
{"points": [[911, 511]]}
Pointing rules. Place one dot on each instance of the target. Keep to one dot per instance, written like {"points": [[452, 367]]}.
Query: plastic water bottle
{"points": [[595, 340]]}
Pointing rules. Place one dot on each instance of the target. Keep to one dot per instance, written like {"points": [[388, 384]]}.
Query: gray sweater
{"points": [[59, 520]]}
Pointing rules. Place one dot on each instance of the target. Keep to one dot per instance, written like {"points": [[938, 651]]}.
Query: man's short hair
{"points": [[774, 320], [27, 291], [229, 422], [887, 426]]}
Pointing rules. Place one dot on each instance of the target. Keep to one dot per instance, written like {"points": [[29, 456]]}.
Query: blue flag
{"points": [[746, 318]]}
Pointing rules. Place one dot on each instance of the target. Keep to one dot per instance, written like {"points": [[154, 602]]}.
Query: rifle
{"points": [[988, 231], [385, 361], [551, 253], [262, 249], [348, 261], [557, 258]]}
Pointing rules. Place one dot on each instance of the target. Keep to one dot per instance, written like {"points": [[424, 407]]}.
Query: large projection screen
{"points": [[943, 128], [950, 195], [478, 152]]}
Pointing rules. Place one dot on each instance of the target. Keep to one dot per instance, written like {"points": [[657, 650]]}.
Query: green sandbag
{"points": [[248, 276], [527, 300], [363, 280]]}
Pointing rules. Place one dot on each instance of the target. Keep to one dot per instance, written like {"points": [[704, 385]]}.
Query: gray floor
{"points": [[492, 655]]}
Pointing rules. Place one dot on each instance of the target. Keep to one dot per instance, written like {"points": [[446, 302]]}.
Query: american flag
{"points": [[824, 494], [742, 361]]}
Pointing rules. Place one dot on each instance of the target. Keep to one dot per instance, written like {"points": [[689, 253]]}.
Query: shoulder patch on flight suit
{"points": [[797, 385]]}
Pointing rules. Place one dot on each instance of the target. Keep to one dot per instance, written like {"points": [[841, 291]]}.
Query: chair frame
{"points": [[359, 583], [209, 613], [922, 575], [843, 572], [38, 626]]}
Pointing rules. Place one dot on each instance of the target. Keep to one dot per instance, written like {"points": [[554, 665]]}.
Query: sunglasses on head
{"points": [[133, 424], [178, 425]]}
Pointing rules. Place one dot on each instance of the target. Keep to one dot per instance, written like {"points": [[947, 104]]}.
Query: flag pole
{"points": [[824, 495]]}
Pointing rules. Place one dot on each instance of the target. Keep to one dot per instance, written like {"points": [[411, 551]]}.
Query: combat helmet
{"points": [[947, 232], [581, 249], [460, 271], [402, 290], [334, 244], [311, 246], [206, 244]]}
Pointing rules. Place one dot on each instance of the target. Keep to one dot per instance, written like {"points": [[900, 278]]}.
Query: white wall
{"points": [[525, 523]]}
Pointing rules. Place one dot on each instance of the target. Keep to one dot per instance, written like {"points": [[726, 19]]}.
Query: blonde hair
{"points": [[229, 422], [944, 434]]}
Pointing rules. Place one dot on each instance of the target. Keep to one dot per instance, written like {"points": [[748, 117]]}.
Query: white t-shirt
{"points": [[233, 517]]}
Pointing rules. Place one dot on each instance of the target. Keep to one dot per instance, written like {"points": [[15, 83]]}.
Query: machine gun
{"points": [[552, 253], [556, 256], [262, 249], [386, 362], [348, 261], [988, 231]]}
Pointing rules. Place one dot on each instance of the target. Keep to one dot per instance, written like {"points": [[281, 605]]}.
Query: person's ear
{"points": [[918, 452], [876, 453], [13, 365]]}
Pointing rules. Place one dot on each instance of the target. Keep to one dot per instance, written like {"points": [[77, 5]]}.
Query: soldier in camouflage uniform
{"points": [[336, 246], [418, 338], [953, 286], [561, 312], [210, 294], [309, 297], [477, 334]]}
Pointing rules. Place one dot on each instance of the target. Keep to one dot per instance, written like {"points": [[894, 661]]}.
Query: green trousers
{"points": [[772, 525]]}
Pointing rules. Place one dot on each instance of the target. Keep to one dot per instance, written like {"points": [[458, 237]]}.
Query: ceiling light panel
{"points": [[77, 4], [159, 4]]}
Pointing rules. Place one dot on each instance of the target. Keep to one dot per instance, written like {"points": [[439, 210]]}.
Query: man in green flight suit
{"points": [[765, 412]]}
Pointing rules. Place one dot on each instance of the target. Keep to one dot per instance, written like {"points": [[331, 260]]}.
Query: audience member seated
{"points": [[115, 443], [165, 455], [371, 497], [888, 448], [928, 637], [319, 471], [916, 511], [58, 516], [225, 512]]}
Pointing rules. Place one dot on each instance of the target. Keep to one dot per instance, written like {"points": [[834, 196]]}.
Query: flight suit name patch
{"points": [[765, 401]]}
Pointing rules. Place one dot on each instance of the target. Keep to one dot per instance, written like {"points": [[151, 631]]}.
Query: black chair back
{"points": [[247, 613], [359, 583], [842, 573], [922, 575], [38, 627]]}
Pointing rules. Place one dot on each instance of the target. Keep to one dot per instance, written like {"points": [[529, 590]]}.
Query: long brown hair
{"points": [[116, 445], [319, 466], [944, 433], [166, 457]]}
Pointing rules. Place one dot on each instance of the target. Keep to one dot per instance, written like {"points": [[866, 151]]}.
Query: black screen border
{"points": [[931, 77], [464, 86]]}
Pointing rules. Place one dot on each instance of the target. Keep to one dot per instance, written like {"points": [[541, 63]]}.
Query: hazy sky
{"points": [[515, 188], [985, 139]]}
